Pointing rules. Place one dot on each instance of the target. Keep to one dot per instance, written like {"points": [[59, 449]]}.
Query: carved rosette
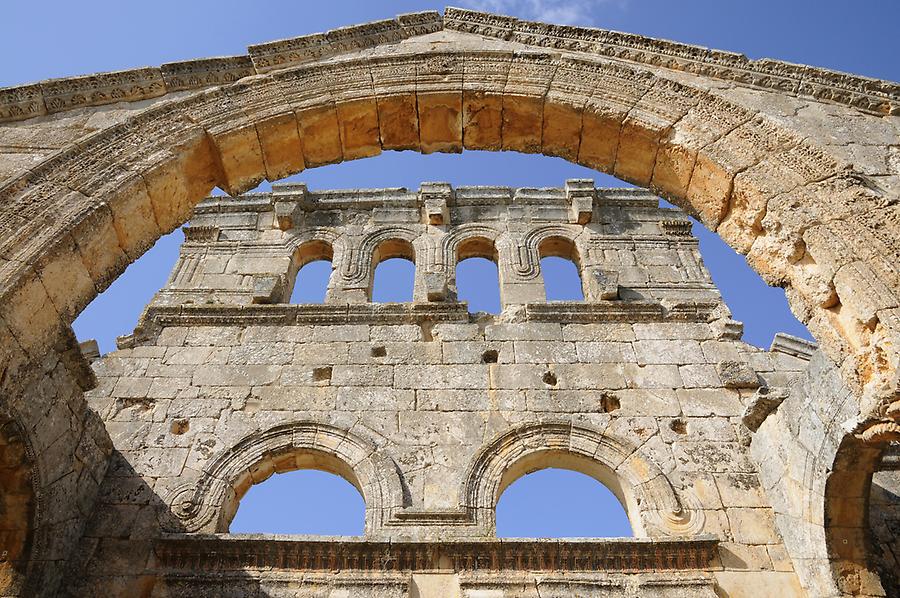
{"points": [[186, 510]]}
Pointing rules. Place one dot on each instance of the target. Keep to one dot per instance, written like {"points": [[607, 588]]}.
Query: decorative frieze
{"points": [[308, 48], [194, 74], [222, 552], [870, 95], [103, 88]]}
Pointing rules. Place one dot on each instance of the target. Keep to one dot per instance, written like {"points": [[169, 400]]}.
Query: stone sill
{"points": [[234, 552]]}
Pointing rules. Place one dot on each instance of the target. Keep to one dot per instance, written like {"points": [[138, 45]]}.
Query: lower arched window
{"points": [[305, 501], [305, 492], [560, 503]]}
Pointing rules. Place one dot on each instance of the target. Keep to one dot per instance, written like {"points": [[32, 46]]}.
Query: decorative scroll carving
{"points": [[19, 103], [200, 505], [103, 88], [646, 492], [209, 554], [871, 95]]}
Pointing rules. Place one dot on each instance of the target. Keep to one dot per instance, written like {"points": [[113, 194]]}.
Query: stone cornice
{"points": [[400, 197], [220, 553], [865, 93], [411, 313], [57, 95]]}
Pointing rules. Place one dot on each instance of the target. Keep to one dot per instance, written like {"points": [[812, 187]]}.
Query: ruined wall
{"points": [[793, 165], [431, 411], [53, 456]]}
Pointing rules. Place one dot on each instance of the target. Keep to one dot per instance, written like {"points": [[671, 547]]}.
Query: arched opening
{"points": [[477, 275], [307, 492], [568, 471], [115, 311], [16, 507], [560, 503], [394, 272], [311, 268], [306, 501], [561, 270]]}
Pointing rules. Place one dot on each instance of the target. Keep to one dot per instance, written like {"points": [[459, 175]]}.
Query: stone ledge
{"points": [[414, 313], [324, 314], [461, 196], [793, 345], [227, 552], [621, 311]]}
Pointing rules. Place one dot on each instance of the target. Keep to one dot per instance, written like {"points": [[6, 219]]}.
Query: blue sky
{"points": [[57, 39]]}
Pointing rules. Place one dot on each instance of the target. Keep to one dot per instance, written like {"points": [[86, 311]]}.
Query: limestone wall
{"points": [[793, 165], [428, 410]]}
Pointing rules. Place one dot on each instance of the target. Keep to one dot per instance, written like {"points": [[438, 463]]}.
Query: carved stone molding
{"points": [[654, 507], [207, 503], [414, 313], [871, 95], [219, 553]]}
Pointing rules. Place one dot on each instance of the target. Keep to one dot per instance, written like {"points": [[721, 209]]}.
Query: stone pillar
{"points": [[519, 271]]}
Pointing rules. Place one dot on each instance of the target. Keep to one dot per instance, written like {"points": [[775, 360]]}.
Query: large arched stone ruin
{"points": [[747, 470]]}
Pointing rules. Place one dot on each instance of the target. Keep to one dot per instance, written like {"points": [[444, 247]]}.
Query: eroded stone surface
{"points": [[793, 165]]}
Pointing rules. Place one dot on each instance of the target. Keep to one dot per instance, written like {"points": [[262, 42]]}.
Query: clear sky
{"points": [[62, 38]]}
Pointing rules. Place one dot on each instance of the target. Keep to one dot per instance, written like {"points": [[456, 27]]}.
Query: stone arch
{"points": [[464, 241], [652, 505], [208, 503], [845, 513], [652, 113], [459, 235], [567, 249], [125, 186], [527, 264]]}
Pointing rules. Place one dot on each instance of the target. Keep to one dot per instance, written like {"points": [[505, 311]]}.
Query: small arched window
{"points": [[477, 275], [311, 269], [560, 503], [394, 264], [560, 269]]}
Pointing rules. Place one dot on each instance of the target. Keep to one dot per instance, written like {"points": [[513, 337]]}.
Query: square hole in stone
{"points": [[322, 374]]}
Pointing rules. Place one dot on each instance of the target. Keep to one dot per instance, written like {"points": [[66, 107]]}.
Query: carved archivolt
{"points": [[356, 265], [653, 506], [527, 257], [208, 503], [449, 243]]}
